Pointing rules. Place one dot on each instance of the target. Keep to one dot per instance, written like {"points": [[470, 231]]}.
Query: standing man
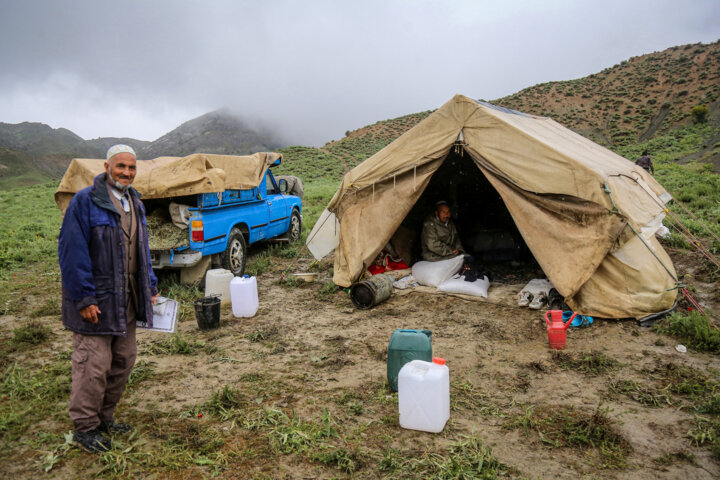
{"points": [[107, 284], [439, 238], [646, 162]]}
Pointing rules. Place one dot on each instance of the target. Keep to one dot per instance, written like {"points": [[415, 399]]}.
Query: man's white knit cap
{"points": [[119, 148]]}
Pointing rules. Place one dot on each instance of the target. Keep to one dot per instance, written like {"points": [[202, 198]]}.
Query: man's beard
{"points": [[117, 184]]}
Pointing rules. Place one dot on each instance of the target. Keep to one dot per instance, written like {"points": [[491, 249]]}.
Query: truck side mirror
{"points": [[283, 185]]}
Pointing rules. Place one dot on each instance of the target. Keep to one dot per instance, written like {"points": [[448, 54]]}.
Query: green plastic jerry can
{"points": [[406, 345]]}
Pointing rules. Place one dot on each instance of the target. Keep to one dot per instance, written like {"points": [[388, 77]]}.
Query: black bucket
{"points": [[207, 312], [370, 292]]}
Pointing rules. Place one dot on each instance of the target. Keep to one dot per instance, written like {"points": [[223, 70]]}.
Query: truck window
{"points": [[271, 190]]}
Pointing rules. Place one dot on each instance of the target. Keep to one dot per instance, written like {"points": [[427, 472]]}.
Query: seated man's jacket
{"points": [[439, 239]]}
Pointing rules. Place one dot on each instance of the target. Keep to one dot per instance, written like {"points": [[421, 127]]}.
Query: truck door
{"points": [[279, 216]]}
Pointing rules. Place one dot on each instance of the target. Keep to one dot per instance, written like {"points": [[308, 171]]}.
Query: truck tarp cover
{"points": [[167, 177]]}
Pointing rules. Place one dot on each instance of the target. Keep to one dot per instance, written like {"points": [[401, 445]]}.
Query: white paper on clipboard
{"points": [[164, 316]]}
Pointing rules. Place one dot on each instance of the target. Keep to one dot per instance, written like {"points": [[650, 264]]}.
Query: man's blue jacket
{"points": [[91, 251]]}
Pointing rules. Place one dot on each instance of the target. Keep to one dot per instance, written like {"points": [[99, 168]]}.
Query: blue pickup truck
{"points": [[205, 210], [223, 224]]}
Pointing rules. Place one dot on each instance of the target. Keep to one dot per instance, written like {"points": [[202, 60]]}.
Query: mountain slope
{"points": [[215, 132], [18, 170], [633, 101]]}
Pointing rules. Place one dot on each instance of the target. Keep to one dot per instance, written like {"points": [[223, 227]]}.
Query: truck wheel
{"points": [[235, 254], [295, 227]]}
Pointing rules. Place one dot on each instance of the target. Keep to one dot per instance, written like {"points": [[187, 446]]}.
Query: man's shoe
{"points": [[525, 299], [555, 300], [112, 427], [92, 441], [538, 301]]}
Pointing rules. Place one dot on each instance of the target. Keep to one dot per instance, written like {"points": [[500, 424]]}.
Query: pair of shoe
{"points": [[525, 299], [538, 301], [534, 302], [94, 441]]}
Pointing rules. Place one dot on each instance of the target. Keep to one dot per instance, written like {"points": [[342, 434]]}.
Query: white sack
{"points": [[433, 274], [457, 284]]}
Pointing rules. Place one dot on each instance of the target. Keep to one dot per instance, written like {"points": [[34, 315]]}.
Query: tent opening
{"points": [[484, 224]]}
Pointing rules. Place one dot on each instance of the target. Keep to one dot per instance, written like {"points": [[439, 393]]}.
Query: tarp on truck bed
{"points": [[167, 177]]}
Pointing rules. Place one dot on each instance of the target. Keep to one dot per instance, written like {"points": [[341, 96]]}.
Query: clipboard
{"points": [[164, 316]]}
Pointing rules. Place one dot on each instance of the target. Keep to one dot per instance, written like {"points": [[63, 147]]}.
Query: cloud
{"points": [[310, 69]]}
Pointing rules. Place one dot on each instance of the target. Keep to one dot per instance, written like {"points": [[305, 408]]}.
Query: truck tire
{"points": [[294, 228], [235, 254]]}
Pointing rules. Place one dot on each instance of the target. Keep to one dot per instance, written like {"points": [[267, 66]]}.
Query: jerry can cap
{"points": [[439, 360]]}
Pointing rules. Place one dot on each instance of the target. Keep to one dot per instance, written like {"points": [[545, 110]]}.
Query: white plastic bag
{"points": [[433, 274], [457, 284], [405, 282]]}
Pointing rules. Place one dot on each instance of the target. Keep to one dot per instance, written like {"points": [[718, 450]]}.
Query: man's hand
{"points": [[154, 299], [90, 313]]}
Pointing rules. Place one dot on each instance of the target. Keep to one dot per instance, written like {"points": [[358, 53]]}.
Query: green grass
{"points": [[177, 344], [30, 227], [693, 329], [591, 431], [30, 392], [592, 363], [465, 458], [34, 333], [646, 395]]}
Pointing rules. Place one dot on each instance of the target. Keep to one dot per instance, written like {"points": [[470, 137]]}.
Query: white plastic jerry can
{"points": [[424, 395], [244, 295], [217, 284]]}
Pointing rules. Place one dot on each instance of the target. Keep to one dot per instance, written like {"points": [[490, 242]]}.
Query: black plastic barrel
{"points": [[207, 312], [372, 291]]}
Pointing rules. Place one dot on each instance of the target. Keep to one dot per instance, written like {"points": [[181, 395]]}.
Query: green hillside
{"points": [[17, 170], [635, 100]]}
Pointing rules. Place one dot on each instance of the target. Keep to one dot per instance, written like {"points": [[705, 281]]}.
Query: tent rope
{"points": [[654, 254], [693, 301], [702, 224], [612, 200], [692, 239], [678, 285]]}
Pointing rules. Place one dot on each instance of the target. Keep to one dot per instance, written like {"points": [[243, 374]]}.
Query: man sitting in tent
{"points": [[439, 238]]}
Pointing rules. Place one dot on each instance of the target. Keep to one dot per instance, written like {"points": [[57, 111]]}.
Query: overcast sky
{"points": [[311, 69]]}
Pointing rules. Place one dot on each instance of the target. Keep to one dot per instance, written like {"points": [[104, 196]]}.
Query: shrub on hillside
{"points": [[699, 113]]}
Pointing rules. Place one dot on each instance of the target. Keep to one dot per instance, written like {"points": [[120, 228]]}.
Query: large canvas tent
{"points": [[587, 215]]}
